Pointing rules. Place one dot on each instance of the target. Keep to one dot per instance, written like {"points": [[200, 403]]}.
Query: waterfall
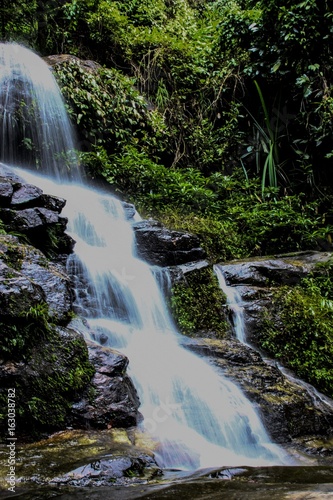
{"points": [[197, 417], [235, 304], [34, 126]]}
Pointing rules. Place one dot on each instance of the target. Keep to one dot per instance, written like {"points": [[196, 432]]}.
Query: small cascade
{"points": [[235, 304], [197, 417]]}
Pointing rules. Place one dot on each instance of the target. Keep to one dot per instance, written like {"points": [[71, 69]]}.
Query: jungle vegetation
{"points": [[213, 116]]}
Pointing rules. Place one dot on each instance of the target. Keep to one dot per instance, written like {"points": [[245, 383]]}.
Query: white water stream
{"points": [[235, 304], [198, 417]]}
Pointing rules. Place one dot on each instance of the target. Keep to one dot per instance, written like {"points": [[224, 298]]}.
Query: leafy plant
{"points": [[298, 332]]}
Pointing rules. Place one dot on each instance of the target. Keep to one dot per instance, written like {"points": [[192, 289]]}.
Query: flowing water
{"points": [[235, 304], [198, 417], [33, 130]]}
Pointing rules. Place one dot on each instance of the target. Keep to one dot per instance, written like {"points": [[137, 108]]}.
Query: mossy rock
{"points": [[297, 330], [47, 379], [197, 304]]}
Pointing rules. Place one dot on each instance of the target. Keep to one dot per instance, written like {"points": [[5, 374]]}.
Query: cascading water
{"points": [[235, 304], [34, 126], [197, 417]]}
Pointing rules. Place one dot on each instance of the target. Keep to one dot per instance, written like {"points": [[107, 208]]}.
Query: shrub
{"points": [[298, 332]]}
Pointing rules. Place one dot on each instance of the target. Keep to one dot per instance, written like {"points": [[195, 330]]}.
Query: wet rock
{"points": [[52, 202], [55, 285], [6, 192], [25, 209], [77, 457], [44, 228], [107, 360], [7, 173], [115, 470], [88, 65], [17, 293], [35, 273], [264, 272], [179, 273], [113, 400], [26, 195], [48, 374], [288, 410], [256, 280], [31, 219], [284, 270], [164, 247]]}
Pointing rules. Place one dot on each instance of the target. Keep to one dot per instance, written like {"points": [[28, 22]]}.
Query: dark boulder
{"points": [[289, 411], [115, 470], [28, 278], [264, 272], [31, 219], [255, 280], [52, 202], [25, 196], [164, 247], [112, 400], [52, 370], [25, 209], [17, 293], [6, 192]]}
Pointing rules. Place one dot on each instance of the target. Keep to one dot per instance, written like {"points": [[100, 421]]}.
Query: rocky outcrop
{"points": [[164, 247], [88, 65], [29, 279], [287, 270], [255, 280], [25, 209], [288, 410], [111, 400], [292, 410], [115, 470]]}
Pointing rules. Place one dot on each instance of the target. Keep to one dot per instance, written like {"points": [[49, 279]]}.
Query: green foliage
{"points": [[229, 214], [18, 20], [298, 332], [195, 63], [220, 238], [2, 228], [59, 370], [321, 280], [19, 336], [151, 184], [108, 110], [270, 225], [197, 304]]}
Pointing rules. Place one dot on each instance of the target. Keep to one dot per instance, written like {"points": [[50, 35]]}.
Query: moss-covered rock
{"points": [[46, 378], [290, 413], [290, 313], [197, 302]]}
